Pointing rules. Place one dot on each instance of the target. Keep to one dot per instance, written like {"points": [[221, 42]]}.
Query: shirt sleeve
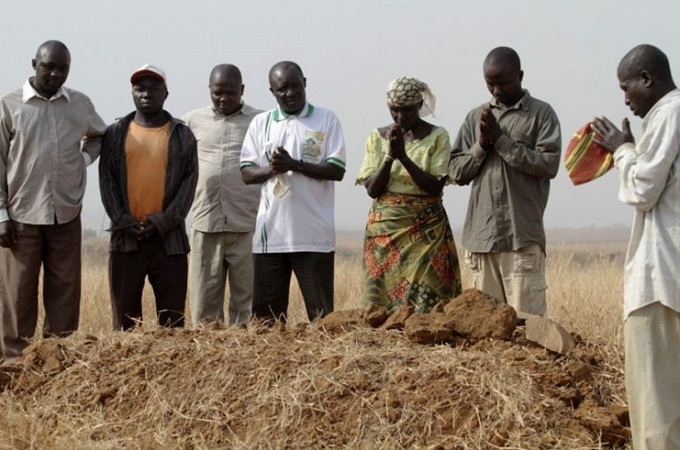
{"points": [[467, 155], [540, 158], [335, 142], [5, 139], [373, 156], [250, 150], [93, 137], [110, 183], [644, 176]]}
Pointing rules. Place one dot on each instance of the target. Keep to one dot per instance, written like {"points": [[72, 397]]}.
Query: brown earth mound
{"points": [[338, 384]]}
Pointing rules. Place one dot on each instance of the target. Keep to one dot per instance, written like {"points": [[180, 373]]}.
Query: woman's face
{"points": [[405, 116]]}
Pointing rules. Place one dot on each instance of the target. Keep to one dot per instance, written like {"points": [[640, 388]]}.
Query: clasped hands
{"points": [[395, 137], [610, 137], [281, 161], [141, 230], [489, 130]]}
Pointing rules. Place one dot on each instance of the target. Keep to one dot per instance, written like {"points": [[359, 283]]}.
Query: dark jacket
{"points": [[180, 185]]}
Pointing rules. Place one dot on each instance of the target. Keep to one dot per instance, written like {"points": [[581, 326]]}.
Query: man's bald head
{"points": [[52, 46], [285, 66], [226, 88], [52, 64], [648, 58], [287, 83], [645, 77], [226, 71]]}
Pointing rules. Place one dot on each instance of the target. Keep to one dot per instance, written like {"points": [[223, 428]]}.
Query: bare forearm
{"points": [[425, 180], [320, 171], [255, 174], [377, 183]]}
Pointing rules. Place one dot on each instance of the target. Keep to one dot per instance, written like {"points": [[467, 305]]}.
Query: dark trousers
{"points": [[57, 249], [168, 278], [314, 272]]}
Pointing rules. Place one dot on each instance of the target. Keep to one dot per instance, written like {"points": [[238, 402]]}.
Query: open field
{"points": [[584, 277], [308, 387]]}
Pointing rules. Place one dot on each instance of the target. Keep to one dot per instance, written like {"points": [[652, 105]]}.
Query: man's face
{"points": [[636, 92], [288, 87], [149, 94], [51, 70], [504, 82], [225, 94]]}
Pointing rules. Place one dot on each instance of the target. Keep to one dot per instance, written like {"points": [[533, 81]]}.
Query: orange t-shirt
{"points": [[146, 161]]}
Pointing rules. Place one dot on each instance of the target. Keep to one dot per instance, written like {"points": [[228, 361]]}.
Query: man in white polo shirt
{"points": [[297, 152]]}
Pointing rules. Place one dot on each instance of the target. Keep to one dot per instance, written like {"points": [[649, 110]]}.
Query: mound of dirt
{"points": [[337, 384]]}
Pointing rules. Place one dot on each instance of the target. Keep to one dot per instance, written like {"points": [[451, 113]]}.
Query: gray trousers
{"points": [[214, 259], [652, 339], [57, 249]]}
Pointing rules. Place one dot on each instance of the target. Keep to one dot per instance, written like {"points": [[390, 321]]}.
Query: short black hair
{"points": [[285, 65], [231, 70], [52, 44], [505, 55]]}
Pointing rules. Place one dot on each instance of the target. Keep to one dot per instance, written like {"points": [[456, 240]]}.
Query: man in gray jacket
{"points": [[509, 149]]}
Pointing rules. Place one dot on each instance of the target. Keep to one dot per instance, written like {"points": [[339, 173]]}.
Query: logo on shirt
{"points": [[312, 145]]}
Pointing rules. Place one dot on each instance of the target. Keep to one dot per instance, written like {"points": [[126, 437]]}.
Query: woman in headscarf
{"points": [[409, 252]]}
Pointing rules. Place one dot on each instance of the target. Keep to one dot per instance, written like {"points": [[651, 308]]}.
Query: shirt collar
{"points": [[280, 114], [670, 96], [236, 113], [522, 103], [29, 92]]}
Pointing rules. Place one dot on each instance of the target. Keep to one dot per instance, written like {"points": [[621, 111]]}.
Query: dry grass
{"points": [[305, 387], [584, 277]]}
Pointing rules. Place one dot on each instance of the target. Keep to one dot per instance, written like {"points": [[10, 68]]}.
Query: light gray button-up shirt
{"points": [[510, 182], [223, 202], [45, 147]]}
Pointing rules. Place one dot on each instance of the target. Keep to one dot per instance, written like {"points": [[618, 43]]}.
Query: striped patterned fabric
{"points": [[585, 160]]}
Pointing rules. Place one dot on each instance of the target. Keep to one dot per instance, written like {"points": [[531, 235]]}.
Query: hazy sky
{"points": [[349, 51]]}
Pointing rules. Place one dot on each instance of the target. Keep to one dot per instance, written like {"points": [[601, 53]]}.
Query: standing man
{"points": [[509, 149], [650, 182], [297, 151], [224, 209], [147, 179], [49, 134]]}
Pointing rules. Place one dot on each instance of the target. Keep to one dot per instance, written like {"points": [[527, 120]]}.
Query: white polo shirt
{"points": [[303, 219]]}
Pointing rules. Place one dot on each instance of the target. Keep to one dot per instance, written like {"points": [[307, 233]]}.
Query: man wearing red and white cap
{"points": [[147, 178]]}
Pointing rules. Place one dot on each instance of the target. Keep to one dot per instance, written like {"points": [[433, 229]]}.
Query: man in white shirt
{"points": [[650, 182], [297, 152]]}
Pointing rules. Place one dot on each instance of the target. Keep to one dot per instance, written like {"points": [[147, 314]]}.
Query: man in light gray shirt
{"points": [[509, 149], [224, 208], [49, 134]]}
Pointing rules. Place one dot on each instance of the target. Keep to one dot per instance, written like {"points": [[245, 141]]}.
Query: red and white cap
{"points": [[148, 70]]}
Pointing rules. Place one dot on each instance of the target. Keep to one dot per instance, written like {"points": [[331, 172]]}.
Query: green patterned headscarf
{"points": [[407, 91]]}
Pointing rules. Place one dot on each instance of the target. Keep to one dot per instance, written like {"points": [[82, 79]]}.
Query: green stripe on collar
{"points": [[280, 114]]}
